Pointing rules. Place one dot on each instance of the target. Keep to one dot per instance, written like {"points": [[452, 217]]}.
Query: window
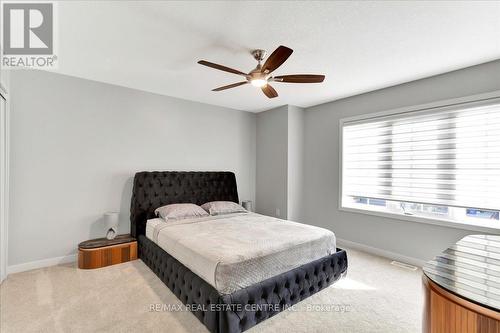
{"points": [[484, 214], [440, 164]]}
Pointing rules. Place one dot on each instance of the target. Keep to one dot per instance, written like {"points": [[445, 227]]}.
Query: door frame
{"points": [[4, 185]]}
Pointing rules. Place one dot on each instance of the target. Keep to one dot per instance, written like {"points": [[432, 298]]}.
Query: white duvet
{"points": [[234, 251]]}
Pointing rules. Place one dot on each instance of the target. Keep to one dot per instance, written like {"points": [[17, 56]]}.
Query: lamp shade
{"points": [[111, 219]]}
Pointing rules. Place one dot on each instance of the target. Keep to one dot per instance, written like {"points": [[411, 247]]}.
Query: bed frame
{"points": [[243, 308]]}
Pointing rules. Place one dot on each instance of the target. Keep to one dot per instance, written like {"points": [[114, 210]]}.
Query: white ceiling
{"points": [[360, 46]]}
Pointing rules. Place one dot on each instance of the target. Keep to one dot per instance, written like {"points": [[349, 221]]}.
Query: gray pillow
{"points": [[223, 207], [180, 211]]}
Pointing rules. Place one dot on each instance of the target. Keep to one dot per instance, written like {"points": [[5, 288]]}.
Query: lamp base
{"points": [[112, 232]]}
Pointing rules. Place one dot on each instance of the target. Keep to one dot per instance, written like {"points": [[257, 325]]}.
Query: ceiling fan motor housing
{"points": [[256, 74]]}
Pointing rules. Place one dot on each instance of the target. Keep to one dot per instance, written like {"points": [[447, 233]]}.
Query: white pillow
{"points": [[180, 211], [223, 207]]}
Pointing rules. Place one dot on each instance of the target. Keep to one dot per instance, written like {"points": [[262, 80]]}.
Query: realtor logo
{"points": [[28, 30]]}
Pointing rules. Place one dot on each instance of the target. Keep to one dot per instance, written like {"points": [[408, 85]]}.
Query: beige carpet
{"points": [[375, 297]]}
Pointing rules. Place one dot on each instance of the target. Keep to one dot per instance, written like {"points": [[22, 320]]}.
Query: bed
{"points": [[234, 291]]}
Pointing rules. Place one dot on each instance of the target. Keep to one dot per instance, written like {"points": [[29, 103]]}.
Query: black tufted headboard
{"points": [[153, 189]]}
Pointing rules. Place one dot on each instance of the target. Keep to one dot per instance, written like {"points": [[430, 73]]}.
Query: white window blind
{"points": [[447, 156]]}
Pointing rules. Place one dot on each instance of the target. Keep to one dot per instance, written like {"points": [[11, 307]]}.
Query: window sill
{"points": [[480, 227]]}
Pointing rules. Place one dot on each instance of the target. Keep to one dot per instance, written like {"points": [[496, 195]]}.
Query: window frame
{"points": [[480, 226]]}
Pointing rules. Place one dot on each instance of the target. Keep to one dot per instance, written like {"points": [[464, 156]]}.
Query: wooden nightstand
{"points": [[102, 252]]}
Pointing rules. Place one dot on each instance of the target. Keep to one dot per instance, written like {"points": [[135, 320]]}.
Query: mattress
{"points": [[234, 251]]}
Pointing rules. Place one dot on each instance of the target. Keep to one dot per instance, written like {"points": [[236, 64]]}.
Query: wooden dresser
{"points": [[101, 252], [462, 287]]}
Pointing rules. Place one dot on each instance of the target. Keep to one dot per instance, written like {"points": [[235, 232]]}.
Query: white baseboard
{"points": [[40, 263], [380, 252]]}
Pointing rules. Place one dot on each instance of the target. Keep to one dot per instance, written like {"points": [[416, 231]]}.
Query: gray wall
{"points": [[421, 241], [76, 145], [280, 161], [5, 78], [272, 143], [295, 182], [4, 84]]}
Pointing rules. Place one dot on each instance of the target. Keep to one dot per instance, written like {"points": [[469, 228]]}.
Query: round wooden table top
{"points": [[102, 242], [470, 269]]}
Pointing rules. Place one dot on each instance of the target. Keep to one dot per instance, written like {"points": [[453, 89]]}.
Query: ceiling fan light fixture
{"points": [[259, 83]]}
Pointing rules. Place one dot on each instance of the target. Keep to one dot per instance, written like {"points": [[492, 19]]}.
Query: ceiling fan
{"points": [[260, 76]]}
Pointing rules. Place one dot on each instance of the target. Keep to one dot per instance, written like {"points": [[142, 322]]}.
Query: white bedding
{"points": [[234, 251]]}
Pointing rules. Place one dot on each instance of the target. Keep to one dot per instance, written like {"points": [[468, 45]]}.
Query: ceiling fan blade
{"points": [[276, 59], [221, 68], [299, 78], [269, 91], [229, 86]]}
